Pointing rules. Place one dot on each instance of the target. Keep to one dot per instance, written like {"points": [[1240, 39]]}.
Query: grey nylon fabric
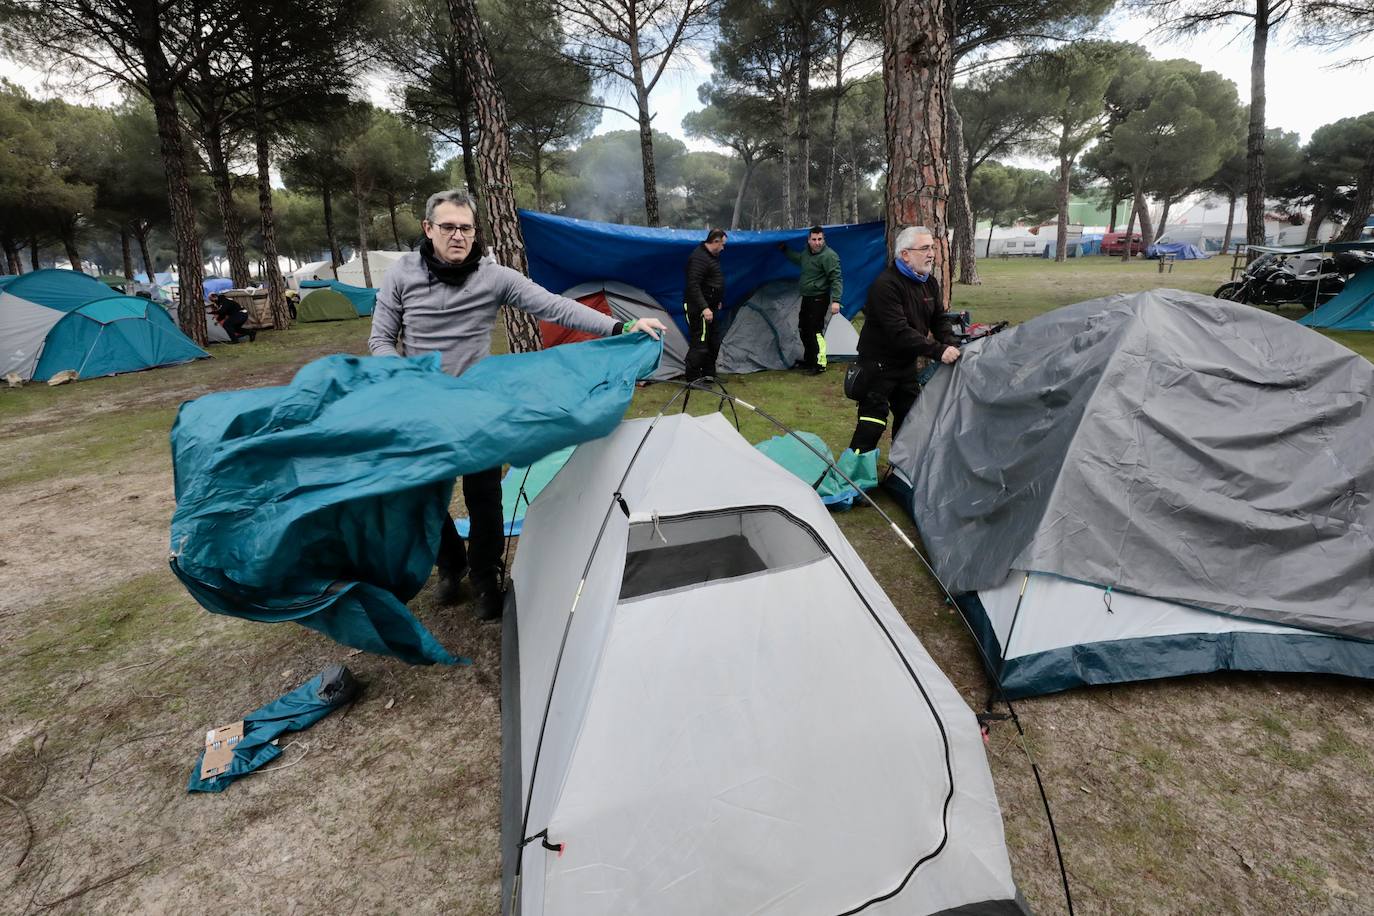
{"points": [[763, 332], [1165, 443]]}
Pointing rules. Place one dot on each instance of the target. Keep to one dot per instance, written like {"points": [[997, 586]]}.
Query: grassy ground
{"points": [[1229, 794]]}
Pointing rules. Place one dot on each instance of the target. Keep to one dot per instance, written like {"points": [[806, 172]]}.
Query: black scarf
{"points": [[452, 274]]}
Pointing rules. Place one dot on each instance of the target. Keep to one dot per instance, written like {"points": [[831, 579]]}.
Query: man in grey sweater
{"points": [[444, 299]]}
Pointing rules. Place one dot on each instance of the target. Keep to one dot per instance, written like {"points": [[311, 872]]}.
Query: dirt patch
{"points": [[76, 534]]}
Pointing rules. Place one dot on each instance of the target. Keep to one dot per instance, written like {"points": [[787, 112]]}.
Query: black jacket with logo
{"points": [[705, 281], [904, 319]]}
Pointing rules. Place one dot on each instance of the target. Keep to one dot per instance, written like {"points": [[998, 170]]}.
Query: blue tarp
{"points": [[322, 501], [565, 252], [1351, 310], [216, 285], [1182, 251], [364, 298]]}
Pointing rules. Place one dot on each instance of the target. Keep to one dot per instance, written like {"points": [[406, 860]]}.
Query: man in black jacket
{"points": [[905, 327], [704, 292]]}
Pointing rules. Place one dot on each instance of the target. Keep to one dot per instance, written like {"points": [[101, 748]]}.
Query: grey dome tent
{"points": [[763, 333], [627, 303], [710, 706], [1150, 485]]}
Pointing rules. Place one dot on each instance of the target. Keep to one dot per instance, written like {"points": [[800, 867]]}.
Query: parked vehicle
{"points": [[1311, 279], [1114, 243]]}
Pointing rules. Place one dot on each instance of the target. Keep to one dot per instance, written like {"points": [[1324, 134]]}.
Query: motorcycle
{"points": [[1311, 279]]}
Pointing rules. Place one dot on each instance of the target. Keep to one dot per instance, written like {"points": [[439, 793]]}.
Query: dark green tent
{"points": [[324, 304]]}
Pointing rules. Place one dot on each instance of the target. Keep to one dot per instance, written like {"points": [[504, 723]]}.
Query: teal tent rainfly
{"points": [[57, 320], [322, 501]]}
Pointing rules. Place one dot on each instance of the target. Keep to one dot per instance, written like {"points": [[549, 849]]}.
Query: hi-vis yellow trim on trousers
{"points": [[820, 352], [872, 420]]}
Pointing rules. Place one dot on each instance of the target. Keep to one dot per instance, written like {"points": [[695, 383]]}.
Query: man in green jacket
{"points": [[820, 289]]}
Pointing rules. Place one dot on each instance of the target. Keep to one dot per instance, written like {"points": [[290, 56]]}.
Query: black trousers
{"points": [[702, 347], [481, 556], [892, 391], [233, 325], [811, 327]]}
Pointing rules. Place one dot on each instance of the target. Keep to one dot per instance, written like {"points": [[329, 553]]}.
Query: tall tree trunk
{"points": [[1061, 201], [749, 165], [992, 225], [335, 254], [1230, 222], [33, 252], [470, 160], [498, 190], [1254, 147], [646, 152], [961, 209], [213, 136], [1142, 209], [854, 185], [804, 15], [12, 263], [1130, 230], [539, 178], [124, 250], [1164, 216], [1112, 219], [360, 195], [1320, 208], [190, 258], [787, 155], [276, 283], [835, 125], [1363, 203], [917, 57], [391, 211], [68, 233], [141, 232]]}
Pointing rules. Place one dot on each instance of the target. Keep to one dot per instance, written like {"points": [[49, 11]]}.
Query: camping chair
{"points": [[1167, 258]]}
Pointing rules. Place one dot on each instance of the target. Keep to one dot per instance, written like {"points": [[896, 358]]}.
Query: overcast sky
{"points": [[1304, 92]]}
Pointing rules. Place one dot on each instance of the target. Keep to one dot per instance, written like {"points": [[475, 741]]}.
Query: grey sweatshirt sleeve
{"points": [[528, 296], [386, 318]]}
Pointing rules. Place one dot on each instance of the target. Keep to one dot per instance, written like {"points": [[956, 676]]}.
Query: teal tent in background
{"points": [[323, 501], [55, 320], [363, 298], [829, 485], [1351, 310]]}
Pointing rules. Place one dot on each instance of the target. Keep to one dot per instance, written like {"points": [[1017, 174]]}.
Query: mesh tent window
{"points": [[684, 551]]}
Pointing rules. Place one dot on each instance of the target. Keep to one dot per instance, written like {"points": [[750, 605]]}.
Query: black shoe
{"points": [[491, 599], [451, 590], [814, 370], [252, 336]]}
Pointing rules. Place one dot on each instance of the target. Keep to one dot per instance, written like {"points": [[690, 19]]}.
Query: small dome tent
{"points": [[1150, 485], [57, 320], [735, 719]]}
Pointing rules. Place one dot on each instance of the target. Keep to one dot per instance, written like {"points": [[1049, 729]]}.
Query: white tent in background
{"points": [[316, 270], [379, 261], [736, 719]]}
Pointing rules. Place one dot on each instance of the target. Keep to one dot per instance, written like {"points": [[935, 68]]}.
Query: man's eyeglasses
{"points": [[920, 248], [450, 229]]}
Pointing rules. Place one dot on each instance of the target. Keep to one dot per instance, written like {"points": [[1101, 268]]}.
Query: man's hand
{"points": [[651, 326], [834, 308], [949, 356], [707, 314]]}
